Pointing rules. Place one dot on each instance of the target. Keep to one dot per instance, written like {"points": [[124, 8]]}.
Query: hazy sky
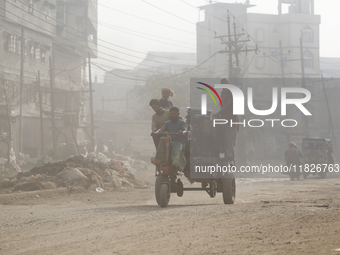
{"points": [[156, 30]]}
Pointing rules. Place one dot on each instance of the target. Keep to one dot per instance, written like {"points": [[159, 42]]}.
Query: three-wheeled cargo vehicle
{"points": [[199, 149], [316, 152]]}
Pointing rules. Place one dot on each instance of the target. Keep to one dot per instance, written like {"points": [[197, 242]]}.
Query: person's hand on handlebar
{"points": [[181, 132], [158, 131]]}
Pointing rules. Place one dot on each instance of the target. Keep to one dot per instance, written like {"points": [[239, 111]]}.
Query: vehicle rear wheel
{"points": [[164, 195], [229, 190], [158, 184], [179, 187]]}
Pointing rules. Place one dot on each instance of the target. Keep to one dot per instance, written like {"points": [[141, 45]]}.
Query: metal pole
{"points": [[282, 65], [230, 48], [303, 85], [91, 105], [41, 117], [235, 46], [9, 145], [21, 88], [52, 105], [329, 110]]}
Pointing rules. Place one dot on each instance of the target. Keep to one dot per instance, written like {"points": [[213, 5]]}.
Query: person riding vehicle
{"points": [[158, 119], [177, 144], [164, 101]]}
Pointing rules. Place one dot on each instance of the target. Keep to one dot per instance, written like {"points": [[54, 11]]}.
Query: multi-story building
{"points": [[265, 33], [66, 33], [271, 46]]}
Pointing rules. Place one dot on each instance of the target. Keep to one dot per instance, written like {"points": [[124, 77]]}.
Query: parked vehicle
{"points": [[316, 152]]}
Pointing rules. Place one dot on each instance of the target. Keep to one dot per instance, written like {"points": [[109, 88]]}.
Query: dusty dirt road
{"points": [[269, 217]]}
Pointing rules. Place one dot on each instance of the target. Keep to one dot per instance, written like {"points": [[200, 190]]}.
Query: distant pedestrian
{"points": [[292, 158]]}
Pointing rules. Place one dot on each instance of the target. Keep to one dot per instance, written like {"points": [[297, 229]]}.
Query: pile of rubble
{"points": [[95, 171]]}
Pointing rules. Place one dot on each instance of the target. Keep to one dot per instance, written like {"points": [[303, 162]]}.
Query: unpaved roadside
{"points": [[269, 217]]}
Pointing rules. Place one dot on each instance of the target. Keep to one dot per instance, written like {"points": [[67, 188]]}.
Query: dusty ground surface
{"points": [[269, 217]]}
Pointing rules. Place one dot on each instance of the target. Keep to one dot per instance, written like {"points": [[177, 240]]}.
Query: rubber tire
{"points": [[158, 184], [164, 195], [229, 190], [179, 187]]}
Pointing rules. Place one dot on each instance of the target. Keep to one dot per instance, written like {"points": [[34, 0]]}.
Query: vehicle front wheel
{"points": [[164, 195], [158, 184], [229, 190]]}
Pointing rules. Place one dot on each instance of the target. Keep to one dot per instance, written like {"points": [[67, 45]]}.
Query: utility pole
{"points": [[230, 43], [21, 87], [91, 105], [9, 145], [328, 108], [41, 117], [8, 115], [303, 85], [52, 104], [69, 121], [283, 84], [234, 47], [282, 65]]}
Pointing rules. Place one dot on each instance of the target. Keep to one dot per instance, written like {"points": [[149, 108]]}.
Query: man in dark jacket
{"points": [[292, 157]]}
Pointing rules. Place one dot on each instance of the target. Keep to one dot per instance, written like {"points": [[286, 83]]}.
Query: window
{"points": [[43, 53], [37, 50], [26, 49], [307, 34], [31, 6], [47, 12], [10, 43], [308, 59], [18, 45], [31, 49]]}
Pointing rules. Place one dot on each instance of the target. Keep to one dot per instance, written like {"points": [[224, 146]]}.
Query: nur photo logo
{"points": [[288, 96]]}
